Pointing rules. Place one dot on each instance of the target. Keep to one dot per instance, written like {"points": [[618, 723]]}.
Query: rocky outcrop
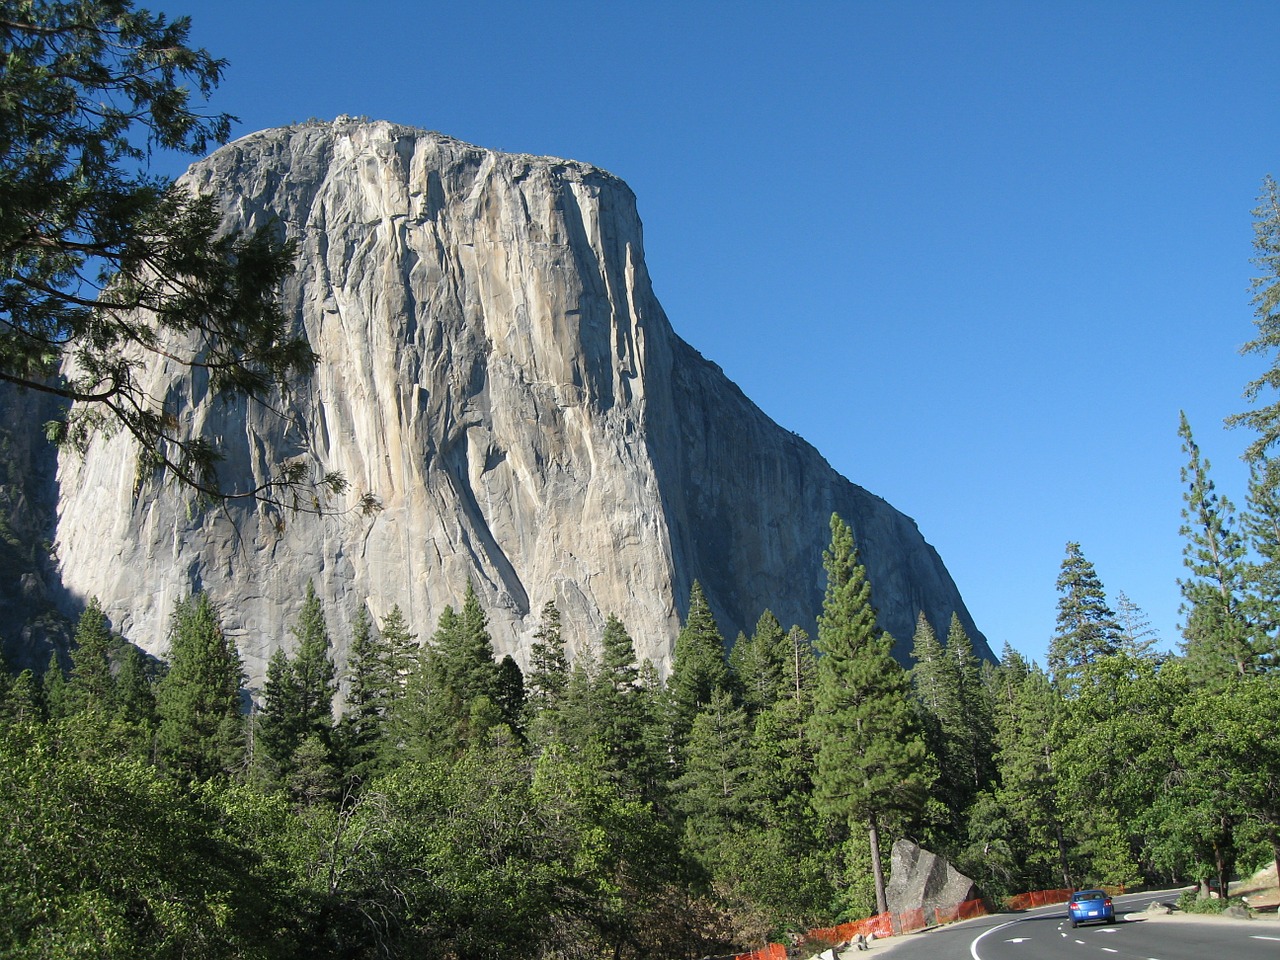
{"points": [[495, 370], [920, 879]]}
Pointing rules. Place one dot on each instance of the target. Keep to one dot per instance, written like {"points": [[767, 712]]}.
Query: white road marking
{"points": [[1258, 936]]}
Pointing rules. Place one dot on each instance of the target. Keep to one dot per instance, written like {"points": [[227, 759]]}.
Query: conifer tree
{"points": [[91, 686], [136, 697], [313, 668], [25, 702], [714, 792], [1265, 421], [509, 693], [1029, 742], [973, 724], [1219, 642], [1086, 627], [870, 754], [201, 734], [369, 692], [1137, 636], [53, 687], [621, 714], [548, 665], [698, 668], [1260, 526], [299, 692], [758, 663], [802, 666]]}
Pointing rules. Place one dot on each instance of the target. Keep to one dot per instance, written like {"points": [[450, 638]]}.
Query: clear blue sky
{"points": [[979, 254]]}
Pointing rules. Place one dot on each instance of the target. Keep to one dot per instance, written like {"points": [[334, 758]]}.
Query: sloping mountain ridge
{"points": [[495, 370]]}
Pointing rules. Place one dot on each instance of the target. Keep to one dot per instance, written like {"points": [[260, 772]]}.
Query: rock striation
{"points": [[919, 879], [495, 370]]}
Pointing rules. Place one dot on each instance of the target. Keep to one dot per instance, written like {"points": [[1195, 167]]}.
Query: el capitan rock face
{"points": [[495, 370]]}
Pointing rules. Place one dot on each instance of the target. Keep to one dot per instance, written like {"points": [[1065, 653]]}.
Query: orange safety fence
{"points": [[891, 924], [1037, 898]]}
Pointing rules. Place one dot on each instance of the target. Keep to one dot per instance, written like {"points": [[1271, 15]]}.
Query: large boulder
{"points": [[919, 879]]}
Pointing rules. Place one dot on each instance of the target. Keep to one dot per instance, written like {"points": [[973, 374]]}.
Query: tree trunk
{"points": [[873, 834], [1062, 857]]}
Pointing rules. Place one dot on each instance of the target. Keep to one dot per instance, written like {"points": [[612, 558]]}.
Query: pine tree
{"points": [[53, 688], [548, 665], [714, 792], [802, 666], [133, 688], [313, 668], [1219, 641], [509, 693], [299, 691], [278, 726], [973, 724], [698, 667], [201, 733], [1265, 421], [758, 663], [1086, 628], [1137, 636], [1260, 526], [91, 686], [1029, 730], [869, 751], [369, 682]]}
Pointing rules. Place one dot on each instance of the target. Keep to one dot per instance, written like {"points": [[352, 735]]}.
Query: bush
{"points": [[1191, 902]]}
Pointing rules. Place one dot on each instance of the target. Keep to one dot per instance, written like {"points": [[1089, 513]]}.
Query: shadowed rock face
{"points": [[494, 368]]}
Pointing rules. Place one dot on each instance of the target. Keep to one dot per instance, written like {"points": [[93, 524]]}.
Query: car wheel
{"points": [[1073, 923]]}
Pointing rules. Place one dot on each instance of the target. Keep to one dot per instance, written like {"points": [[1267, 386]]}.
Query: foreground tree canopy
{"points": [[104, 267]]}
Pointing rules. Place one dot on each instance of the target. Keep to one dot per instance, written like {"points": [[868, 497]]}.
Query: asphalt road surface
{"points": [[1045, 934]]}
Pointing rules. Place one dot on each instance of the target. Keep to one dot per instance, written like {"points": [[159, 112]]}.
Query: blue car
{"points": [[1090, 906]]}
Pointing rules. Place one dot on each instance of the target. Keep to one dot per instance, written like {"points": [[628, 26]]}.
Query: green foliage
{"points": [[698, 668], [201, 732], [106, 858], [870, 754], [105, 266], [298, 696], [1086, 627], [1220, 639]]}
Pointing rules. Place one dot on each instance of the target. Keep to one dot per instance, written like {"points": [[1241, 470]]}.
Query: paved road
{"points": [[1046, 935]]}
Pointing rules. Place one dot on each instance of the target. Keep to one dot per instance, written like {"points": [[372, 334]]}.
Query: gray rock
{"points": [[919, 879], [495, 370]]}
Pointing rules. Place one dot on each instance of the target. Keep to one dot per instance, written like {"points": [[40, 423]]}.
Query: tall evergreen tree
{"points": [[369, 681], [298, 694], [1219, 641], [1265, 421], [509, 693], [714, 792], [1137, 637], [313, 667], [201, 733], [698, 667], [870, 754], [758, 663], [802, 666], [91, 687], [1029, 743], [548, 665], [1086, 628]]}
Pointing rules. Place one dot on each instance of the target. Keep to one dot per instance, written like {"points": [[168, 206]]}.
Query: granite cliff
{"points": [[495, 370]]}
